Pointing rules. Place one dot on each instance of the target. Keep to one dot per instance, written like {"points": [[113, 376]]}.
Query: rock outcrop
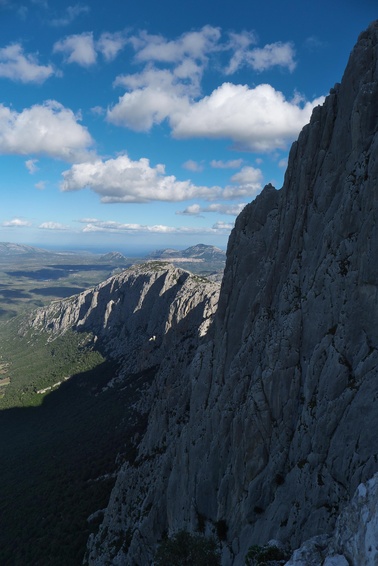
{"points": [[355, 538], [269, 428], [137, 316]]}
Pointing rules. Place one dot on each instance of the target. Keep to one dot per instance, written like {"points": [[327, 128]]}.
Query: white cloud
{"points": [[82, 48], [110, 44], [117, 227], [239, 44], [223, 226], [41, 185], [197, 210], [98, 111], [230, 164], [258, 119], [49, 129], [71, 13], [17, 66], [194, 166], [124, 180], [271, 55], [259, 58], [191, 210], [78, 49], [247, 176], [155, 95], [248, 180], [282, 163], [144, 108], [16, 223], [31, 166], [192, 45], [183, 81], [53, 226]]}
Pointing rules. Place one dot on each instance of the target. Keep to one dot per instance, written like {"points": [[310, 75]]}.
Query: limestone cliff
{"points": [[271, 426], [138, 316]]}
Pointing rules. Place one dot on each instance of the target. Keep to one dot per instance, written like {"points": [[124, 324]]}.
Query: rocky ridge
{"points": [[269, 428], [137, 316]]}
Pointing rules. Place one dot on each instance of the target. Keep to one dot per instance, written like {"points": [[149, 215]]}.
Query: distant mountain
{"points": [[200, 252], [8, 248], [114, 257]]}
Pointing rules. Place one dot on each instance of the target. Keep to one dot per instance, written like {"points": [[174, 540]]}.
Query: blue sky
{"points": [[133, 126]]}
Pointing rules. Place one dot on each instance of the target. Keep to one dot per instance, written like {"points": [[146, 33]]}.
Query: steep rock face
{"points": [[138, 315], [269, 429], [355, 538]]}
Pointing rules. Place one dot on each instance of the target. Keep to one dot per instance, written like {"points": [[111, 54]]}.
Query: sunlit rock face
{"points": [[138, 316], [270, 425]]}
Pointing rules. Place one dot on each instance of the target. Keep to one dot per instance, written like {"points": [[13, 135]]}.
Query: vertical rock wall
{"points": [[271, 426]]}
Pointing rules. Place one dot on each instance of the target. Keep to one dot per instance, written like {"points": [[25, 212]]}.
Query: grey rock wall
{"points": [[270, 425], [136, 317]]}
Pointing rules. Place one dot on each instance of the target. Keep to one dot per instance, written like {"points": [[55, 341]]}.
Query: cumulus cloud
{"points": [[191, 210], [18, 66], [248, 176], [248, 180], [271, 55], [16, 223], [223, 226], [111, 226], [258, 119], [82, 49], [259, 58], [194, 166], [239, 44], [146, 106], [71, 13], [78, 49], [98, 110], [192, 45], [31, 166], [154, 95], [110, 44], [124, 180], [230, 164], [49, 129], [53, 226], [198, 210]]}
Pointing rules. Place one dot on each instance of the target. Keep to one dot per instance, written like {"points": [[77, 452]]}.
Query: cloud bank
{"points": [[95, 225], [123, 180]]}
